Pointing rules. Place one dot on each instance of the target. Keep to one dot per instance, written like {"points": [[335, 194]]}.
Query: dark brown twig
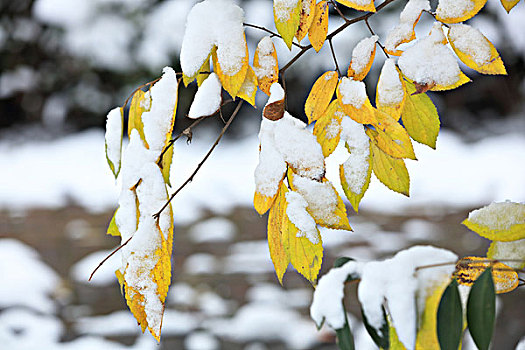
{"points": [[270, 32], [109, 256], [335, 58], [339, 12], [378, 42]]}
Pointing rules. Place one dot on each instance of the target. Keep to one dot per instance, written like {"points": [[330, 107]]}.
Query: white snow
{"points": [[207, 100], [429, 61], [214, 230], [104, 276], [276, 93], [499, 216], [201, 264], [251, 257], [510, 250], [362, 53], [283, 8], [470, 41], [449, 9], [352, 92], [296, 212], [389, 86], [214, 23], [356, 166], [201, 340], [267, 63], [114, 126], [407, 20]]}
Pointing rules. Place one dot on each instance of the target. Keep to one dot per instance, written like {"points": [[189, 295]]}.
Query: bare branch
{"points": [[270, 32], [335, 58], [109, 256], [378, 42]]}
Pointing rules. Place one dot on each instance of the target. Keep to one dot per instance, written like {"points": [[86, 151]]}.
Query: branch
{"points": [[270, 32], [232, 117], [335, 58], [109, 256], [335, 32], [378, 42]]}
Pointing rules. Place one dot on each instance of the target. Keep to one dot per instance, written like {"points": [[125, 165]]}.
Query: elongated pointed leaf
{"points": [[391, 137], [320, 96], [345, 340], [231, 83], [391, 171], [249, 87], [469, 268], [319, 28], [306, 18], [481, 310], [509, 4], [277, 227], [113, 228], [359, 5], [265, 64], [450, 318], [381, 338], [451, 12], [287, 20], [327, 129]]}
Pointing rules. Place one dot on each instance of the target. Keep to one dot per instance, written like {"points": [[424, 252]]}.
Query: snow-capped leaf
{"points": [[391, 137], [481, 310], [231, 83], [514, 250], [381, 339], [165, 164], [265, 64], [208, 98], [363, 56], [287, 15], [503, 221], [390, 95], [140, 103], [462, 80], [320, 96], [449, 318], [306, 18], [319, 28], [359, 5], [475, 50], [509, 4], [113, 228], [404, 31], [391, 171], [249, 87], [354, 101], [455, 11], [278, 226], [113, 138], [327, 129], [345, 175], [200, 75], [469, 268], [420, 117]]}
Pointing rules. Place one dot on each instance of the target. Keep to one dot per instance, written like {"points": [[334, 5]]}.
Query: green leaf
{"points": [[383, 340], [341, 261], [450, 318], [345, 340], [481, 310]]}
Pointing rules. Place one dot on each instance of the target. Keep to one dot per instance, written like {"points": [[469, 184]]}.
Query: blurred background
{"points": [[64, 64]]}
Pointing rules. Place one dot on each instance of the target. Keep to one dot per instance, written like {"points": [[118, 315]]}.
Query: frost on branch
{"points": [[207, 100]]}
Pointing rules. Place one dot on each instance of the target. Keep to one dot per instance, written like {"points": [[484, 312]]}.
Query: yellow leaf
{"points": [[278, 225], [449, 12], [306, 18], [394, 342], [319, 28], [363, 115], [249, 87], [355, 198], [162, 270], [391, 171], [468, 50], [391, 137], [462, 79], [469, 268], [266, 65], [400, 37], [137, 107], [328, 128], [165, 165], [358, 5], [231, 83], [263, 203], [287, 20], [320, 96], [514, 250], [200, 76], [364, 71], [305, 256], [498, 221], [509, 4], [113, 228], [420, 117], [385, 86]]}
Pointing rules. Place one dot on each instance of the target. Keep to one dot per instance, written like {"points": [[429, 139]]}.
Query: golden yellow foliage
{"points": [[320, 96], [249, 87], [278, 225], [319, 27], [306, 18], [509, 4], [368, 7], [305, 256], [469, 268], [355, 198], [231, 83], [363, 115], [263, 203], [395, 109], [361, 75], [327, 129], [136, 109], [391, 171], [391, 137], [287, 21], [266, 81], [113, 228], [467, 14]]}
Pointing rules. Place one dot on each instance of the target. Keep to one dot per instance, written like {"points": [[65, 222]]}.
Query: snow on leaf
{"points": [[265, 64], [249, 87], [306, 18], [231, 82], [320, 96], [200, 75], [354, 101], [455, 11], [300, 218], [361, 5], [327, 129], [429, 63], [420, 117], [362, 58], [287, 15], [504, 221], [509, 4], [514, 250], [469, 268], [475, 50], [324, 203], [277, 230], [319, 28], [140, 103], [113, 228], [391, 171], [114, 126], [390, 95], [215, 23], [391, 137], [404, 31], [207, 100]]}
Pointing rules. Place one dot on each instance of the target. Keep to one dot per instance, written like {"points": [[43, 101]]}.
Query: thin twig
{"points": [[109, 256], [334, 33], [335, 58], [339, 12], [189, 179], [378, 42], [138, 88], [270, 32], [491, 261]]}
